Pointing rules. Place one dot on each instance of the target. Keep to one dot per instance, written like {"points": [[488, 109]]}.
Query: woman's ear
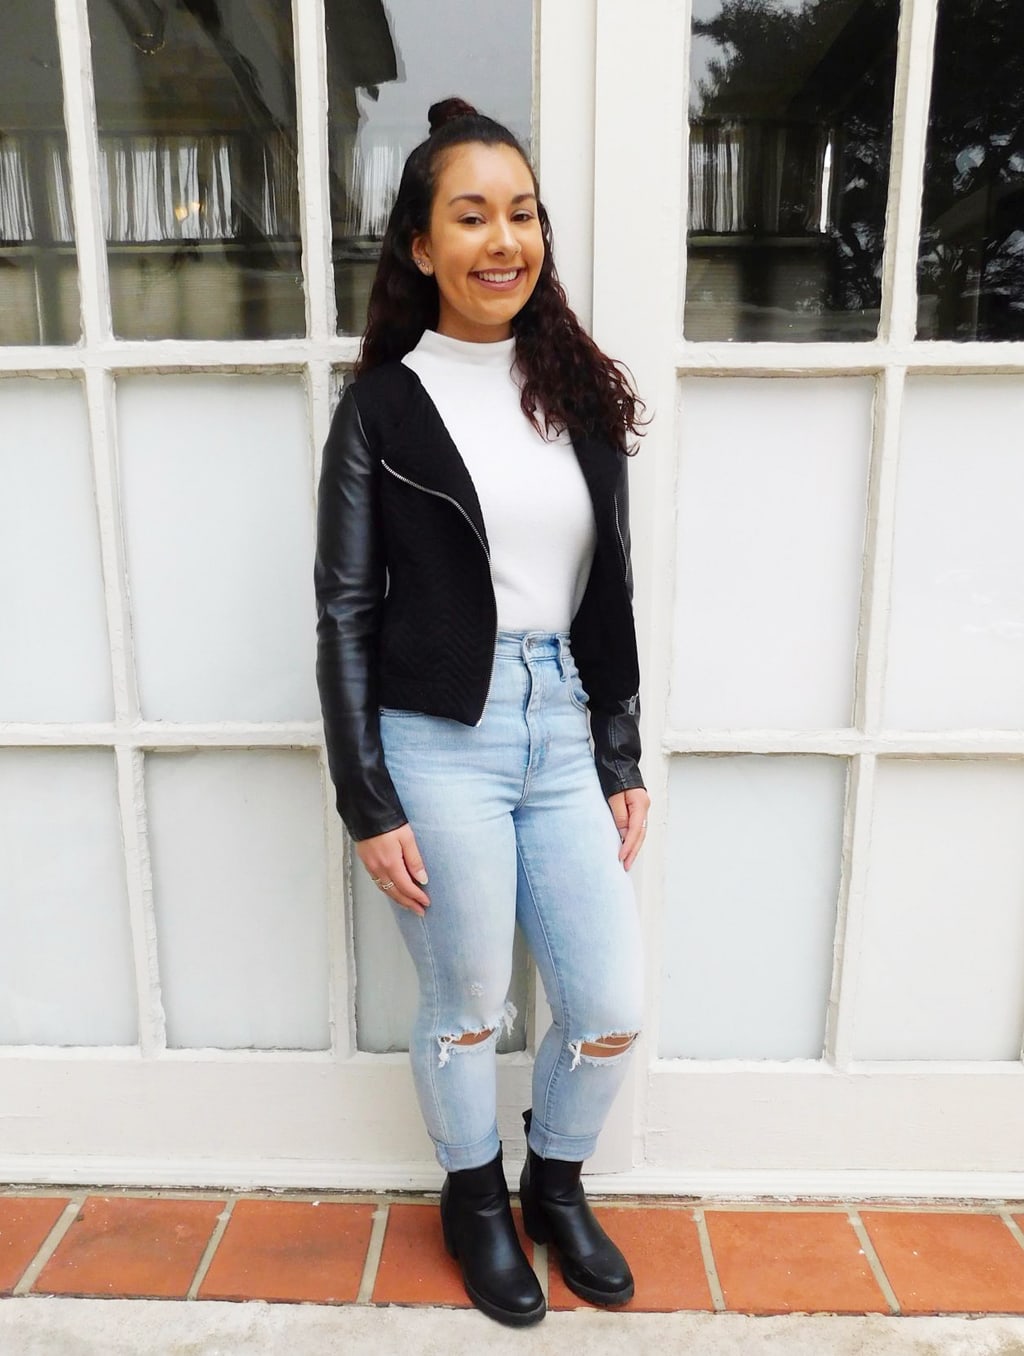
{"points": [[421, 255]]}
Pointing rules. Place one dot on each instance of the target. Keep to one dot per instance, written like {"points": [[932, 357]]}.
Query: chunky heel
{"points": [[449, 1241], [533, 1218]]}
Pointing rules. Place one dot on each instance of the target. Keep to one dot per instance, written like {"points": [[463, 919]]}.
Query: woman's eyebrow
{"points": [[479, 197]]}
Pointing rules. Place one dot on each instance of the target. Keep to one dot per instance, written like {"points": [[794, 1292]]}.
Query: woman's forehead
{"points": [[476, 170]]}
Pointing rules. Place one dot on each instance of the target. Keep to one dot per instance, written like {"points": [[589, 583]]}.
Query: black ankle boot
{"points": [[555, 1210], [480, 1234]]}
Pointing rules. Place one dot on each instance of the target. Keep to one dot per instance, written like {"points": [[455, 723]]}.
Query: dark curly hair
{"points": [[567, 381]]}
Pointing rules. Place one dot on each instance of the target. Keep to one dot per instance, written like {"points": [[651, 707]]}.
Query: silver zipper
{"points": [[439, 494], [618, 533], [622, 547]]}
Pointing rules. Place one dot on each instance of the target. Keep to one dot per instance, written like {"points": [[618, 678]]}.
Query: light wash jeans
{"points": [[513, 826]]}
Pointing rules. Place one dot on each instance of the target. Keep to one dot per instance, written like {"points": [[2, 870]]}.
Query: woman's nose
{"points": [[504, 239]]}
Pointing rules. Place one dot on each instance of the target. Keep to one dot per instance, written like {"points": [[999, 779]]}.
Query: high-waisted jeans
{"points": [[513, 827]]}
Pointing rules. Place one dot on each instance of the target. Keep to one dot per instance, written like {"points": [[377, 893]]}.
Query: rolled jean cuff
{"points": [[458, 1157], [569, 1148]]}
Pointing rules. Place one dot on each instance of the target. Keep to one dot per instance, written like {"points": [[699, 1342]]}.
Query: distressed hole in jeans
{"points": [[473, 1040], [601, 1049]]}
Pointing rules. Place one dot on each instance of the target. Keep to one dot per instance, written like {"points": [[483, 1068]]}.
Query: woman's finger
{"points": [[387, 858], [637, 805]]}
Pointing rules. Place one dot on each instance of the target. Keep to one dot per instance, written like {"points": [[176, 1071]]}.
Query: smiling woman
{"points": [[475, 633]]}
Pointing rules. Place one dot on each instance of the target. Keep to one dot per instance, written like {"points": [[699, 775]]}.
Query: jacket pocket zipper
{"points": [[439, 494]]}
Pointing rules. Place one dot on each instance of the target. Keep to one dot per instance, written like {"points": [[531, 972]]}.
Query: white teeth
{"points": [[500, 277]]}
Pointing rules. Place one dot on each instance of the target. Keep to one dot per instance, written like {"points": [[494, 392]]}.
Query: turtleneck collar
{"points": [[497, 354]]}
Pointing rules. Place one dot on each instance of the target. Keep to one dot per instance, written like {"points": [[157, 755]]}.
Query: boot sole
{"points": [[539, 1233], [510, 1317], [506, 1316], [603, 1297]]}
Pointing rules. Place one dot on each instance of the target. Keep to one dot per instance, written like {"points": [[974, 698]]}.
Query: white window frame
{"points": [[763, 1126]]}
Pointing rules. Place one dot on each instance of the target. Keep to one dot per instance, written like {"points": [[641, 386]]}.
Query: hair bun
{"points": [[446, 110]]}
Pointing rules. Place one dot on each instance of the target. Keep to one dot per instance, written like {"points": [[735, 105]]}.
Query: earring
{"points": [[424, 267]]}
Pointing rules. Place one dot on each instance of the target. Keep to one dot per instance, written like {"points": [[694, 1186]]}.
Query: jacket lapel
{"points": [[423, 451]]}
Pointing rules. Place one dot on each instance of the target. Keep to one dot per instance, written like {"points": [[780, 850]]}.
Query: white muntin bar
{"points": [[910, 137], [134, 833], [878, 550], [83, 162], [839, 1024], [312, 94]]}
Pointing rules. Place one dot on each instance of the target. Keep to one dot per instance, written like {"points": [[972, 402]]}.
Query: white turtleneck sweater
{"points": [[535, 502]]}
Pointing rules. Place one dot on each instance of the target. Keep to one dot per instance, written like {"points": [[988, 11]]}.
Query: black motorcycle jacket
{"points": [[406, 615]]}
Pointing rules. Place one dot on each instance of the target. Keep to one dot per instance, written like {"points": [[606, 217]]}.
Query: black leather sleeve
{"points": [[349, 577], [615, 726]]}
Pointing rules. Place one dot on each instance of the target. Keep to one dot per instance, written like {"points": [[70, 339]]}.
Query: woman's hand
{"points": [[629, 810], [394, 860]]}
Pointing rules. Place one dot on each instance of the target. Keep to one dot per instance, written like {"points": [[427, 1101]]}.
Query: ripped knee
{"points": [[473, 1037], [604, 1047], [469, 1039]]}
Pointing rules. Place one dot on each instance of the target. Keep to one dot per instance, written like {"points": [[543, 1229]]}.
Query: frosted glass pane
{"points": [[772, 492], [66, 972], [237, 843], [386, 984], [956, 646], [942, 959], [750, 906], [53, 630], [218, 518]]}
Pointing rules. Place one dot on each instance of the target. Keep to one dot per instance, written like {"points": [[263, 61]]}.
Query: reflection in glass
{"points": [[386, 66], [195, 101], [790, 130], [971, 267], [38, 270]]}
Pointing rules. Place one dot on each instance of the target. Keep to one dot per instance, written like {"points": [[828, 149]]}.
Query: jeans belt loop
{"points": [[563, 658]]}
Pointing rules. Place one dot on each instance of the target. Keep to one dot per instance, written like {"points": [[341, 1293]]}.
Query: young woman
{"points": [[477, 665]]}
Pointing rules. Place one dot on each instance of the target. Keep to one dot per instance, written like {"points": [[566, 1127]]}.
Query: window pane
{"points": [[53, 630], [66, 970], [791, 124], [218, 516], [196, 111], [971, 270], [956, 640], [484, 54], [751, 906], [239, 887], [39, 287], [942, 951], [772, 500]]}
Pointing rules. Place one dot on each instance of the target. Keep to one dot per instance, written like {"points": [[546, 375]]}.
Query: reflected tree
{"points": [[808, 89], [971, 269]]}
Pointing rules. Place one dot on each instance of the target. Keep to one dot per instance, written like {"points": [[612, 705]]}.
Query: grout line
{"points": [[50, 1243], [211, 1247], [1012, 1225], [708, 1258], [541, 1258], [373, 1252], [873, 1260]]}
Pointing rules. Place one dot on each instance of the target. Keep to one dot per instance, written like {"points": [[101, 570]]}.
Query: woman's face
{"points": [[484, 245]]}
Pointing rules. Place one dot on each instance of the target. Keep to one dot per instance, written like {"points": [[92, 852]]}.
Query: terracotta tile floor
{"points": [[756, 1258]]}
